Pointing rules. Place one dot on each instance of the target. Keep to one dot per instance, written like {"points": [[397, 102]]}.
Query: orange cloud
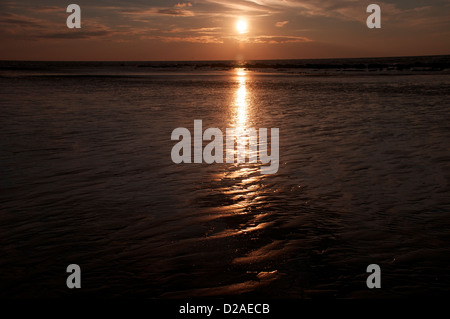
{"points": [[182, 5], [277, 39], [190, 39], [281, 24]]}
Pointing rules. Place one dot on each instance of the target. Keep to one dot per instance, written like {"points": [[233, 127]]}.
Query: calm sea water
{"points": [[87, 178]]}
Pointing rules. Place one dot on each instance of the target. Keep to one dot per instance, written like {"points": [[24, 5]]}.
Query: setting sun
{"points": [[241, 26]]}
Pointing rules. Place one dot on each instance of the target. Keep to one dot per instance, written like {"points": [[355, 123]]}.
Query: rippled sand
{"points": [[87, 178]]}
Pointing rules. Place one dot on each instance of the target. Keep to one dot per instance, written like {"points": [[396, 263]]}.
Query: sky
{"points": [[155, 30]]}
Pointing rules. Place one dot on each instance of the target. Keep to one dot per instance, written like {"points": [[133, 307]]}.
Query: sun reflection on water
{"points": [[246, 176], [244, 208], [241, 102]]}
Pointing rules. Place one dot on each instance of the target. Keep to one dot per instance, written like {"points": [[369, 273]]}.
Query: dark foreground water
{"points": [[87, 178]]}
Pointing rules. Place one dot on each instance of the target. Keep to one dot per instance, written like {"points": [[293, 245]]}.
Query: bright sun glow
{"points": [[241, 26]]}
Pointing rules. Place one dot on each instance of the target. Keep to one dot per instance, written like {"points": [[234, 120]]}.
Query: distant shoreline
{"points": [[440, 56], [439, 64]]}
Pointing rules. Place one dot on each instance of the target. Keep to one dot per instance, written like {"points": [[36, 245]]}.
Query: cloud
{"points": [[17, 26], [346, 10], [28, 28], [249, 7], [191, 39], [51, 9], [182, 5], [12, 19], [76, 34], [176, 10], [277, 39], [281, 24], [212, 30]]}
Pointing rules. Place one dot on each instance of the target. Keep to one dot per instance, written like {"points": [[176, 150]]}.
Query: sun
{"points": [[241, 26]]}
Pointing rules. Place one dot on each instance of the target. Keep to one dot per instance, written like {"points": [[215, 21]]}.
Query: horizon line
{"points": [[237, 61]]}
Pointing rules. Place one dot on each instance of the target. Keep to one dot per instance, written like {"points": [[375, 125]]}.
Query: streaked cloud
{"points": [[182, 5], [76, 35], [281, 24], [277, 39], [190, 39]]}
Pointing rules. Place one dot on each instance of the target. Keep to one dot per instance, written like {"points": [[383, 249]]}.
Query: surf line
{"points": [[213, 151]]}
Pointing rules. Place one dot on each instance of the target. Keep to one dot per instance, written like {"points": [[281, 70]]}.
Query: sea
{"points": [[87, 178]]}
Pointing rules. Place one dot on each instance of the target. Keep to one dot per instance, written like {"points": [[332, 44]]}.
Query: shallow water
{"points": [[87, 178]]}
